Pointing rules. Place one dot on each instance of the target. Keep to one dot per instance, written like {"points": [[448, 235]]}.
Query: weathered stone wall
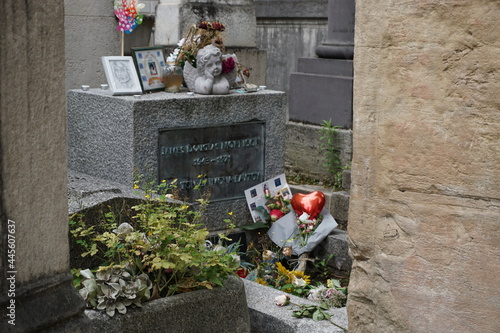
{"points": [[34, 204], [33, 140], [425, 199]]}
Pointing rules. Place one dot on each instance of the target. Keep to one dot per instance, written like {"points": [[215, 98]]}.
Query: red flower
{"points": [[218, 26], [203, 25], [276, 214], [242, 272], [228, 65]]}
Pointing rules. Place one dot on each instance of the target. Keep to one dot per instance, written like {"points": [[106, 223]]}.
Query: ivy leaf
{"points": [[215, 280]]}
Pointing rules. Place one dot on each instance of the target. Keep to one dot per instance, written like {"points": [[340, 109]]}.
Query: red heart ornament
{"points": [[311, 203]]}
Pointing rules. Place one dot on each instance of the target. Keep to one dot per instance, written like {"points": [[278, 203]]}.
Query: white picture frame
{"points": [[121, 75]]}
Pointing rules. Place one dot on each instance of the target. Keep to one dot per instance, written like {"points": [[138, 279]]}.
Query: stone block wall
{"points": [[304, 155], [425, 200]]}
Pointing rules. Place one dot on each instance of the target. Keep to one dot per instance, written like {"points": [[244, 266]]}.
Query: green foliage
{"points": [[300, 291], [164, 241], [316, 312], [81, 232], [77, 277], [330, 145], [321, 267]]}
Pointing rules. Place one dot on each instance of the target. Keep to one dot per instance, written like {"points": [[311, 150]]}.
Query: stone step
{"points": [[310, 99], [336, 244], [346, 180], [323, 66]]}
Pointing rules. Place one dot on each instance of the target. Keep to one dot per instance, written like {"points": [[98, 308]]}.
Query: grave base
{"points": [[116, 138]]}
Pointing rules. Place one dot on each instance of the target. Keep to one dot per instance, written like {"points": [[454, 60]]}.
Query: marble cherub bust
{"points": [[207, 78]]}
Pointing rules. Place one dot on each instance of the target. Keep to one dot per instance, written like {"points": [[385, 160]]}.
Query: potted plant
{"points": [[160, 252]]}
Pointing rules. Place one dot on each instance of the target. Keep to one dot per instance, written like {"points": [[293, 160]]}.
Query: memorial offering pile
{"points": [[203, 34], [161, 250], [288, 227]]}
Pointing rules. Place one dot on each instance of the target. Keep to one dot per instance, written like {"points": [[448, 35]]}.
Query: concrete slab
{"points": [[267, 317]]}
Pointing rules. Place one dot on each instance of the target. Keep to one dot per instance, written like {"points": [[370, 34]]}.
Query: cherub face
{"points": [[214, 66]]}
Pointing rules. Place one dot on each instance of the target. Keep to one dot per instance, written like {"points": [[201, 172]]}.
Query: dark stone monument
{"points": [[322, 87], [224, 159], [340, 42]]}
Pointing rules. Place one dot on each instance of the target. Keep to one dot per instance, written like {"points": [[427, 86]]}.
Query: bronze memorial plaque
{"points": [[229, 157]]}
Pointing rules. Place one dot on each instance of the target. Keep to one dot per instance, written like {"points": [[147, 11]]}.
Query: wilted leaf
{"points": [[318, 315], [86, 273]]}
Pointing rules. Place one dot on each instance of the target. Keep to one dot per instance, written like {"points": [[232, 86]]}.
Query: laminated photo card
{"points": [[261, 199], [269, 203]]}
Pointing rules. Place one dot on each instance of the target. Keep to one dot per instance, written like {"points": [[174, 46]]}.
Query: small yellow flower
{"points": [[147, 196], [299, 275], [261, 281], [185, 207], [199, 176], [163, 181], [136, 186], [230, 213], [281, 269]]}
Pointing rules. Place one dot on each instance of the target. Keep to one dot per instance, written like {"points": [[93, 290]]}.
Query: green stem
{"points": [[345, 329]]}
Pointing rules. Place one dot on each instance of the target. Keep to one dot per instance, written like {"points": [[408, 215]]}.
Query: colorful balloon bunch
{"points": [[128, 15]]}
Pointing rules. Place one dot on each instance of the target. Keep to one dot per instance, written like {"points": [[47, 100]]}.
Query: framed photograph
{"points": [[149, 62], [121, 75]]}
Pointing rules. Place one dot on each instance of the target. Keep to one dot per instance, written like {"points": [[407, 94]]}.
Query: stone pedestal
{"points": [[235, 140], [322, 87]]}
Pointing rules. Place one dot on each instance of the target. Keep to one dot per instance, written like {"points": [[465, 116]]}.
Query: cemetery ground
{"points": [[116, 224]]}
